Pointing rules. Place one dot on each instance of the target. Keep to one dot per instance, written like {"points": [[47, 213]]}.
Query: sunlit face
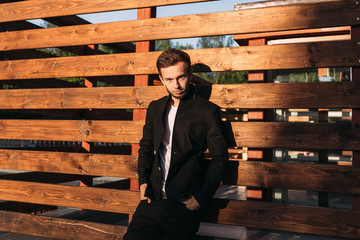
{"points": [[176, 79]]}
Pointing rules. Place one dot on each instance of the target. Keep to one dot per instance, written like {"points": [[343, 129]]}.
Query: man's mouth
{"points": [[178, 91]]}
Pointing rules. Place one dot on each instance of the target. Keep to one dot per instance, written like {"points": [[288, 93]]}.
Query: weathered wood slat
{"points": [[110, 200], [43, 8], [302, 219], [295, 33], [58, 228], [296, 135], [284, 56], [72, 130], [272, 3], [328, 178], [246, 96], [288, 176], [80, 98], [221, 23], [245, 134], [70, 163]]}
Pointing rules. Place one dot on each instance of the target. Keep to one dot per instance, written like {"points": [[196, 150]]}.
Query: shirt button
{"points": [[159, 168], [174, 152]]}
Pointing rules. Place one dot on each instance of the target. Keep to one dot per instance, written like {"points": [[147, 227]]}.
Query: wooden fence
{"points": [[66, 111]]}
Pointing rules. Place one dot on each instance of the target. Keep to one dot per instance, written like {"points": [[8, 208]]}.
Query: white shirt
{"points": [[165, 149]]}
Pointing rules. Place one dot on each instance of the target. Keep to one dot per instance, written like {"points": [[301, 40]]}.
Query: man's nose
{"points": [[177, 84]]}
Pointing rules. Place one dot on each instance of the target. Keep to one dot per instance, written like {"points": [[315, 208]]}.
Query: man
{"points": [[175, 180]]}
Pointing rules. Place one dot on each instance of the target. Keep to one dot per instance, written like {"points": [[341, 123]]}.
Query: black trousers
{"points": [[163, 220]]}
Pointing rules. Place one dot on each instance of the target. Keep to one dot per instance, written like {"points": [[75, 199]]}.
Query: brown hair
{"points": [[171, 57]]}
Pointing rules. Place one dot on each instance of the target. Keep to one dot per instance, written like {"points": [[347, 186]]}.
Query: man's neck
{"points": [[175, 102]]}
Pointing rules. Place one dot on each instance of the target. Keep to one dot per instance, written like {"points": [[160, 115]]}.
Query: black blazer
{"points": [[197, 128]]}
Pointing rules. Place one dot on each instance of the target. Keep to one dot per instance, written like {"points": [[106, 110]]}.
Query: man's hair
{"points": [[171, 57]]}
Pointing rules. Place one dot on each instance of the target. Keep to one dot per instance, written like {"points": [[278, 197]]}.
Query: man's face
{"points": [[176, 79]]}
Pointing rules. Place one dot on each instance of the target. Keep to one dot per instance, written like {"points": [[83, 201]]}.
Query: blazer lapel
{"points": [[160, 123]]}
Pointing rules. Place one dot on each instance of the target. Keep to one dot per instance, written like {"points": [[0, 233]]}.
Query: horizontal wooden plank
{"points": [[271, 3], [68, 21], [80, 98], [70, 163], [312, 15], [285, 95], [342, 136], [43, 8], [302, 219], [72, 130], [294, 33], [58, 228], [328, 178], [283, 56], [244, 96], [310, 39], [296, 135], [110, 200]]}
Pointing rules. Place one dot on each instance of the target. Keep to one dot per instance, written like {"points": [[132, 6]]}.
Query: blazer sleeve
{"points": [[146, 151], [219, 154]]}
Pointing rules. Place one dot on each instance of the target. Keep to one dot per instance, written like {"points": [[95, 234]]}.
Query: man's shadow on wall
{"points": [[204, 89]]}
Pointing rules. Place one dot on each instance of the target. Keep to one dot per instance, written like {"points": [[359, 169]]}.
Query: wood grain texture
{"points": [[293, 36], [44, 8], [328, 178], [246, 96], [246, 134], [285, 95], [72, 130], [296, 135], [295, 33], [57, 228], [272, 3], [70, 163], [80, 98], [210, 24], [110, 200], [301, 219], [283, 56]]}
